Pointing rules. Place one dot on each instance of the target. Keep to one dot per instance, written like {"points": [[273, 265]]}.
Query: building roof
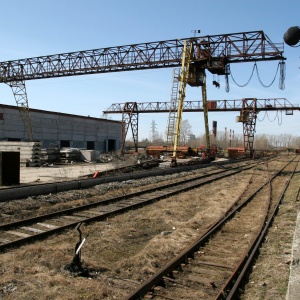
{"points": [[57, 113]]}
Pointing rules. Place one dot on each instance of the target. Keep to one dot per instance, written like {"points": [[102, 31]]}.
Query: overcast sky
{"points": [[42, 27]]}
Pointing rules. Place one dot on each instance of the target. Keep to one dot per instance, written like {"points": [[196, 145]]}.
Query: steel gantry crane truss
{"points": [[247, 107], [129, 117], [266, 104], [173, 107], [248, 116], [215, 53]]}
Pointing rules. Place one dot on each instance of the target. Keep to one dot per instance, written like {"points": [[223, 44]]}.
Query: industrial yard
{"points": [[121, 252], [163, 163]]}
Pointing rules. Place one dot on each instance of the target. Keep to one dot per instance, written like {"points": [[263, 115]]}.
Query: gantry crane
{"points": [[194, 75], [213, 53], [248, 109]]}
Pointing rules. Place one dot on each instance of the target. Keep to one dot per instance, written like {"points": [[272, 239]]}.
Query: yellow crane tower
{"points": [[192, 73], [183, 78]]}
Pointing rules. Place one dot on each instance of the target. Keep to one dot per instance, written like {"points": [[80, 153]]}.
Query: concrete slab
{"points": [[61, 172]]}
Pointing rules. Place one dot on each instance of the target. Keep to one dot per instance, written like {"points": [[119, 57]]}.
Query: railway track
{"points": [[215, 265], [17, 233], [118, 174]]}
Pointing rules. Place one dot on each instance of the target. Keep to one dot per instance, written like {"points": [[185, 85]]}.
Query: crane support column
{"points": [[130, 117], [19, 90], [248, 118], [186, 56], [173, 107], [205, 112]]}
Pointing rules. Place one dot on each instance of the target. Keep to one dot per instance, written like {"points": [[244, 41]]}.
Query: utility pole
{"points": [[153, 130]]}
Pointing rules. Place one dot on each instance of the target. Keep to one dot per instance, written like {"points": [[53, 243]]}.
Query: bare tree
{"points": [[185, 130]]}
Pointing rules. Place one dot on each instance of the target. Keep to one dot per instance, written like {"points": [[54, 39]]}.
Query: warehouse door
{"points": [[110, 145], [64, 144], [9, 168], [90, 145]]}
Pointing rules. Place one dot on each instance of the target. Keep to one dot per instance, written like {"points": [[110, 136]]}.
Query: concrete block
{"points": [[89, 155]]}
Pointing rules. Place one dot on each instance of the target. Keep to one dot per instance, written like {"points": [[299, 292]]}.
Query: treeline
{"points": [[225, 140]]}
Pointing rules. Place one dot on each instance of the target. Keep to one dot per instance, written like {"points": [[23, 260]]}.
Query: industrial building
{"points": [[61, 129]]}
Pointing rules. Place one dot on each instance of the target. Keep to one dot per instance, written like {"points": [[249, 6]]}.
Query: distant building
{"points": [[61, 130]]}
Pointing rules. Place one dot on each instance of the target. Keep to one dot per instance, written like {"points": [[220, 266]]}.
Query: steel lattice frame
{"points": [[19, 91], [268, 104], [217, 50], [173, 104], [248, 117], [129, 117], [232, 48]]}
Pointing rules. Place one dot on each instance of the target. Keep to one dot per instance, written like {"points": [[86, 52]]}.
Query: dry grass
{"points": [[269, 278], [121, 252]]}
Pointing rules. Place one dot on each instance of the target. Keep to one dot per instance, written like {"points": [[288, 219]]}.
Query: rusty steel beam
{"points": [[216, 51], [130, 111], [248, 116], [129, 118], [213, 106]]}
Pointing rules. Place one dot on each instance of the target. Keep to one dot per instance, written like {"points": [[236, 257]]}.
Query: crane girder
{"points": [[268, 104], [215, 50]]}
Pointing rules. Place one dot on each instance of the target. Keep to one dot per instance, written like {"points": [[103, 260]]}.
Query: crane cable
{"points": [[282, 75], [280, 120], [281, 66], [243, 85], [276, 117], [262, 118], [227, 72]]}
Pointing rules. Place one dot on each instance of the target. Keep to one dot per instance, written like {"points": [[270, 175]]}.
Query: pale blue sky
{"points": [[40, 27]]}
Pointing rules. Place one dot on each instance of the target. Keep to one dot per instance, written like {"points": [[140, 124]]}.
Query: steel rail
{"points": [[248, 259], [165, 190], [187, 253], [23, 191]]}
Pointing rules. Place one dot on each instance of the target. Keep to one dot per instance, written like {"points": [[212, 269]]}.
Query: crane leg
{"points": [[129, 117], [19, 91]]}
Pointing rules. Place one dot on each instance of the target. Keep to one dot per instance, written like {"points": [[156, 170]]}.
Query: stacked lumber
{"points": [[30, 152]]}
